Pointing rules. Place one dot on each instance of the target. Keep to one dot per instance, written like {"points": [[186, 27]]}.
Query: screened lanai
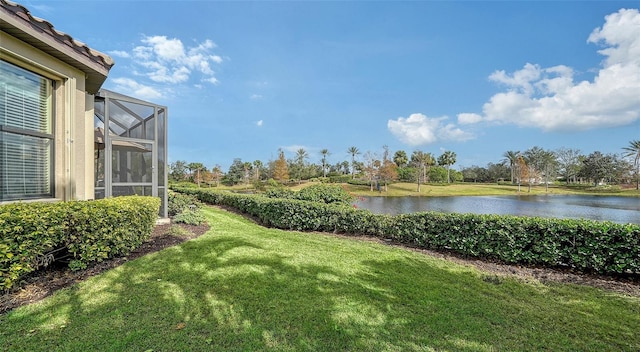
{"points": [[130, 147]]}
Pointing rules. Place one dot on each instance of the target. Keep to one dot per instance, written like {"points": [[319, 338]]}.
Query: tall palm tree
{"points": [[325, 153], [633, 151], [353, 151], [300, 166], [301, 156], [511, 158], [257, 165], [447, 159]]}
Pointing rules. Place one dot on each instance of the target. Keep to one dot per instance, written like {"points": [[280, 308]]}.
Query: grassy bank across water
{"points": [[242, 287], [479, 189]]}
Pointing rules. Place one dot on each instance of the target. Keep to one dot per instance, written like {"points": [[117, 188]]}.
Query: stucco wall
{"points": [[73, 117]]}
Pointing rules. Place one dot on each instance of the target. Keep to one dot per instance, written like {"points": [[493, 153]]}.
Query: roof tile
{"points": [[46, 27]]}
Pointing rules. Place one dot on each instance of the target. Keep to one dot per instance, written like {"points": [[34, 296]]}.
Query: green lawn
{"points": [[242, 287]]}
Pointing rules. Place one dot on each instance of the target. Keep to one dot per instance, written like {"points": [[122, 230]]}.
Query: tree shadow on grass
{"points": [[222, 292]]}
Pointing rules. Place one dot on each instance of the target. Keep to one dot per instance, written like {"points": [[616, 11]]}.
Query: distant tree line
{"points": [[377, 169], [539, 166]]}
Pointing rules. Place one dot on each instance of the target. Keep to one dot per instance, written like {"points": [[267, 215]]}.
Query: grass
{"points": [[242, 287], [476, 189]]}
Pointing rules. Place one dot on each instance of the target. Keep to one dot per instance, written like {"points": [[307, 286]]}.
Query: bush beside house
{"points": [[88, 230]]}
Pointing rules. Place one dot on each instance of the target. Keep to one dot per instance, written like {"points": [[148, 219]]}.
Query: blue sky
{"points": [[243, 79]]}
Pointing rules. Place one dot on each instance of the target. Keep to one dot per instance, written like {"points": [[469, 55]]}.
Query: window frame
{"points": [[21, 132]]}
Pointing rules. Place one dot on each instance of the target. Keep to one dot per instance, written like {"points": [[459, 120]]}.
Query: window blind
{"points": [[26, 138]]}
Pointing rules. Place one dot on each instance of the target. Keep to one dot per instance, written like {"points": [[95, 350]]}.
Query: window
{"points": [[26, 134]]}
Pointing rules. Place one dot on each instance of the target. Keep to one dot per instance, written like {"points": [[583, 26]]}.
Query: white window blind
{"points": [[26, 138]]}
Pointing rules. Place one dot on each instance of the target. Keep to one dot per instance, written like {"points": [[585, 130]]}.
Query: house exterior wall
{"points": [[72, 117]]}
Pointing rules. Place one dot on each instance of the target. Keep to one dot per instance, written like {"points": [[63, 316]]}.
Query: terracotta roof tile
{"points": [[46, 27]]}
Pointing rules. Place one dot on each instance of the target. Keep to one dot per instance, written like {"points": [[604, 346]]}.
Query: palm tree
{"points": [[511, 158], [257, 165], [300, 159], [633, 151], [301, 156], [447, 159], [353, 151], [400, 158], [325, 153], [197, 167]]}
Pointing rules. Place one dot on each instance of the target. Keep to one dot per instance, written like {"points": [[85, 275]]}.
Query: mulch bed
{"points": [[43, 283]]}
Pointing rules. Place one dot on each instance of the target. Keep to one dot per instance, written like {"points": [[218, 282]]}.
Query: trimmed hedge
{"points": [[89, 230], [27, 231], [179, 202], [583, 245], [321, 193]]}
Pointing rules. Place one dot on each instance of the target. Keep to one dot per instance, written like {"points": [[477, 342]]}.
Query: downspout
{"points": [[70, 104]]}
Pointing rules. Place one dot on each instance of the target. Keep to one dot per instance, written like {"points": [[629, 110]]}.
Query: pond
{"points": [[616, 209]]}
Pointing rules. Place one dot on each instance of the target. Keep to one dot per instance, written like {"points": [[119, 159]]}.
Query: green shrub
{"points": [[182, 184], [320, 193], [583, 245], [280, 192], [328, 194], [28, 231], [178, 202], [107, 227], [76, 265], [90, 230], [339, 178], [190, 217], [358, 182]]}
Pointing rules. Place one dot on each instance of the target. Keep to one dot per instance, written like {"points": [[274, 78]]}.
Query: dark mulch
{"points": [[43, 283]]}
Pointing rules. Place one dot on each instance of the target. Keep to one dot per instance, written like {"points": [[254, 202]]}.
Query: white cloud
{"points": [[168, 60], [255, 97], [211, 80], [130, 87], [621, 35], [418, 129], [549, 99], [468, 118], [165, 49], [260, 123], [452, 133]]}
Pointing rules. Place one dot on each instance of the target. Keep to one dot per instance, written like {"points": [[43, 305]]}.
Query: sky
{"points": [[244, 79]]}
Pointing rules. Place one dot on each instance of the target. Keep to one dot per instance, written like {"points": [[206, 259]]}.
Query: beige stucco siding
{"points": [[73, 117]]}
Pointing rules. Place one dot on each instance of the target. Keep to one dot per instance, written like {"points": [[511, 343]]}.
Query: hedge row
{"points": [[584, 245], [89, 230], [320, 193]]}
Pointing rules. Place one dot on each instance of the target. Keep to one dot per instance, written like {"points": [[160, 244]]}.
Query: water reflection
{"points": [[617, 209]]}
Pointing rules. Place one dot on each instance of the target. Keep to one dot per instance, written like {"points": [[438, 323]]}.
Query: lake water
{"points": [[617, 209]]}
